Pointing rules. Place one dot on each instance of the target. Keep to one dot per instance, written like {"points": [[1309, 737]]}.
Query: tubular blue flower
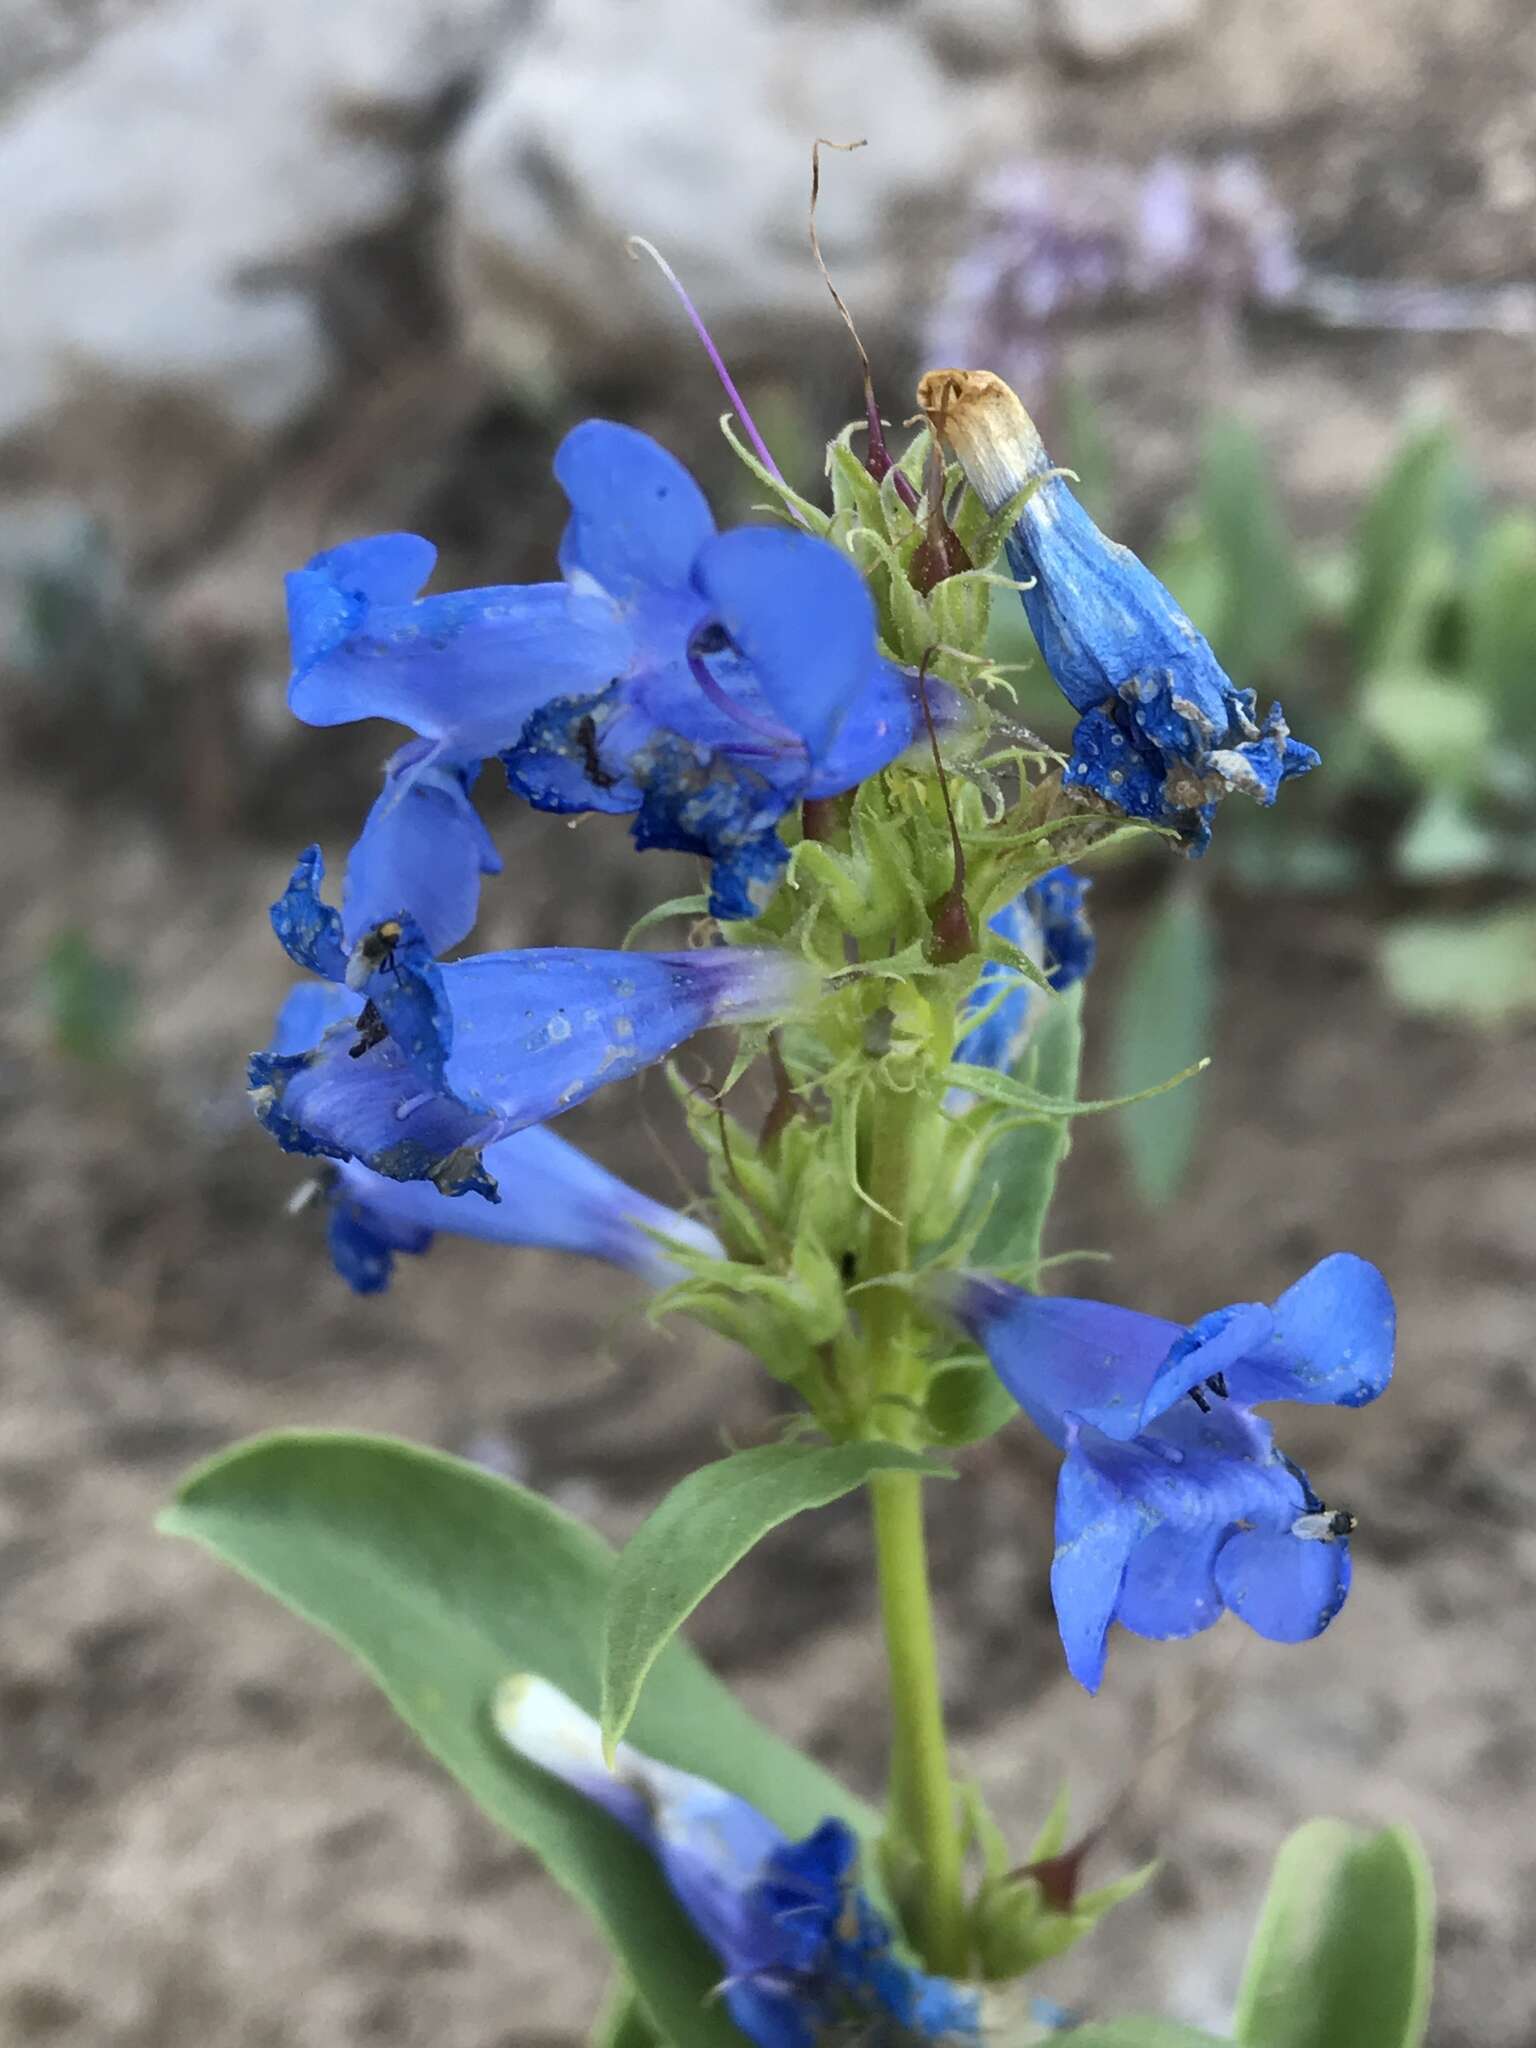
{"points": [[1163, 734], [421, 852], [1173, 1503], [704, 682], [442, 1062], [754, 678], [803, 1949], [554, 1198], [557, 1199], [463, 669], [1048, 922]]}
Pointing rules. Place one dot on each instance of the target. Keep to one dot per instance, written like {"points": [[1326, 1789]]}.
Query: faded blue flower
{"points": [[703, 682], [804, 1952], [1163, 733], [1048, 922], [443, 1061], [1173, 1503]]}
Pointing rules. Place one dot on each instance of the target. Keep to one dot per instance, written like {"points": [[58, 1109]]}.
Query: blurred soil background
{"points": [[279, 275]]}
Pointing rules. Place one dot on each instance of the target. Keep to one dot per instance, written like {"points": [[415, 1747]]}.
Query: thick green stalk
{"points": [[922, 1804], [922, 1798]]}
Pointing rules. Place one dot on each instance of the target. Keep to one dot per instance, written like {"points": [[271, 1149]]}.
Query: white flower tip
{"points": [[538, 1720], [983, 421]]}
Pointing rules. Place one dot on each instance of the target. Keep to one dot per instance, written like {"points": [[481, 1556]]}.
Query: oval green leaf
{"points": [[441, 1579], [1344, 1950], [704, 1526]]}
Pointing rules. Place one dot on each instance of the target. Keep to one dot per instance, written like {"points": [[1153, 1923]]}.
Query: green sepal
{"points": [[707, 1524], [855, 494], [1344, 1949], [983, 540], [675, 906], [1014, 1926], [965, 1402], [441, 1579]]}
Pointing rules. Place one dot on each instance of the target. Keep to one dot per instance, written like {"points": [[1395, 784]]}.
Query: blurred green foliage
{"points": [[1406, 653], [89, 999]]}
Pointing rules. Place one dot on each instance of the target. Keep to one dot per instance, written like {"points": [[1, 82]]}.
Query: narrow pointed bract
{"points": [[802, 1950], [1173, 1503], [1163, 733]]}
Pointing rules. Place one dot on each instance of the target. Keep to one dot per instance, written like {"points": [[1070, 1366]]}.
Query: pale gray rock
{"points": [[693, 124], [170, 197], [1107, 31]]}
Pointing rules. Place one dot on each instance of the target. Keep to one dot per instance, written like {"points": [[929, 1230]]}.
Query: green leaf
{"points": [[442, 1579], [1261, 620], [1444, 842], [1478, 969], [1085, 447], [1501, 624], [705, 1525], [90, 999], [1019, 1172], [1409, 524], [1189, 561], [1344, 1949], [1162, 1024], [623, 2023], [1142, 2034], [1438, 730]]}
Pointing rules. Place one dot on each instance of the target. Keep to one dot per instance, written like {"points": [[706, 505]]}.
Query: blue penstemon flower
{"points": [[1173, 1503], [1163, 733], [443, 1061], [1048, 922], [803, 1950], [703, 682], [554, 1197]]}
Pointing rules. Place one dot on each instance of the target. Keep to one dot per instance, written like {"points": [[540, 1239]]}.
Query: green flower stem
{"points": [[922, 1805], [922, 1798]]}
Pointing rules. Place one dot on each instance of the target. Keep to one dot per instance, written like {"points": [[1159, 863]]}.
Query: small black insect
{"points": [[371, 1031], [586, 739], [375, 950], [1325, 1525]]}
